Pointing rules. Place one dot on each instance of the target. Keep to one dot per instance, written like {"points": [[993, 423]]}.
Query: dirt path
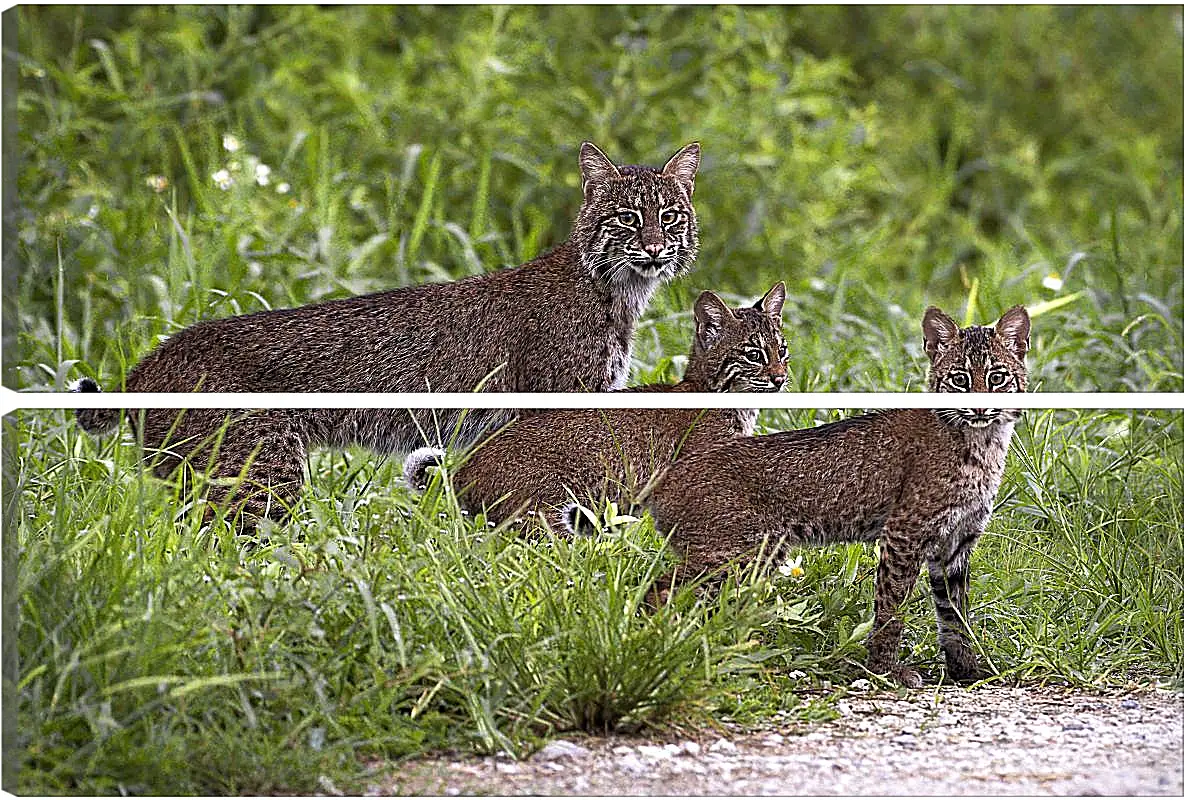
{"points": [[949, 741]]}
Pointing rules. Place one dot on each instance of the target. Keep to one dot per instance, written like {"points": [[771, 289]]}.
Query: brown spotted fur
{"points": [[920, 482], [563, 322], [547, 462]]}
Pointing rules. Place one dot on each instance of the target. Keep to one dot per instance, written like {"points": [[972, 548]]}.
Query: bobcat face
{"points": [[637, 223], [977, 359], [739, 350]]}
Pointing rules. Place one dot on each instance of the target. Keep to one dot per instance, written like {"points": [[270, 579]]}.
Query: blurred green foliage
{"points": [[878, 159]]}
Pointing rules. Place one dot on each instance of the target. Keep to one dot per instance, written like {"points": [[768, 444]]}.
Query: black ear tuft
{"points": [[595, 166], [683, 166], [773, 301], [1013, 329], [711, 314], [940, 331]]}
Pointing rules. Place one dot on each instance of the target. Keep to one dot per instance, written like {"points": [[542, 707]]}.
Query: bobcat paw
{"points": [[963, 668], [906, 677], [900, 674], [964, 677]]}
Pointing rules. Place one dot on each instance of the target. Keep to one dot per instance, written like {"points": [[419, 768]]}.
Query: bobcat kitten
{"points": [[922, 482], [544, 461], [563, 322]]}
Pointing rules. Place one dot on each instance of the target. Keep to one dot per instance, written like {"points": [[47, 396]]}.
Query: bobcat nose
{"points": [[653, 249]]}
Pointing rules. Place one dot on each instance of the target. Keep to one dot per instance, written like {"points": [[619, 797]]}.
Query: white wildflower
{"points": [[283, 188], [230, 143], [222, 179], [262, 174], [792, 568], [1052, 281]]}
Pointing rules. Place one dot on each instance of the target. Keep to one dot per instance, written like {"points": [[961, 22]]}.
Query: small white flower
{"points": [[283, 188], [262, 174], [222, 179], [792, 569], [157, 183], [230, 143], [1052, 281]]}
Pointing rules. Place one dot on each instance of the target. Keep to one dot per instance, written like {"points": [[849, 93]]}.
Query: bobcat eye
{"points": [[755, 355], [628, 218], [960, 381], [997, 380], [669, 216], [782, 351]]}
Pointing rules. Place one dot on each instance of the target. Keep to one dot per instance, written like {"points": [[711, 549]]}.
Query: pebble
{"points": [[722, 746], [561, 748], [653, 751], [691, 748], [631, 763], [861, 685], [328, 786], [1128, 703]]}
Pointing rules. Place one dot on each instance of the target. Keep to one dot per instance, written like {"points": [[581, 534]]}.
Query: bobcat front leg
{"points": [[949, 577], [903, 540]]}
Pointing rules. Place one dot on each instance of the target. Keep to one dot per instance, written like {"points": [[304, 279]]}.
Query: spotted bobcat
{"points": [[563, 322], [555, 461], [921, 482]]}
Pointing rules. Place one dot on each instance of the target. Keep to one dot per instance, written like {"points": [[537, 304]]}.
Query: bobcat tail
{"points": [[575, 521], [417, 464], [94, 420]]}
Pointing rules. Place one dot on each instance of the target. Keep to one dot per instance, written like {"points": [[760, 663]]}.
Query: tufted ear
{"points": [[940, 331], [683, 166], [1013, 328], [595, 167], [711, 314], [773, 300]]}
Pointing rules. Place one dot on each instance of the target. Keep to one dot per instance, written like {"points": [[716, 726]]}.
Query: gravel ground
{"points": [[949, 741]]}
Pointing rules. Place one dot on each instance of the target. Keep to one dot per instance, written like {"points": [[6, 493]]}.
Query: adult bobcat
{"points": [[546, 461], [922, 482], [563, 322]]}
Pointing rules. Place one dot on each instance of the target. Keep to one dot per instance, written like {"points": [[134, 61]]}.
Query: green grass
{"points": [[984, 151], [378, 624]]}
